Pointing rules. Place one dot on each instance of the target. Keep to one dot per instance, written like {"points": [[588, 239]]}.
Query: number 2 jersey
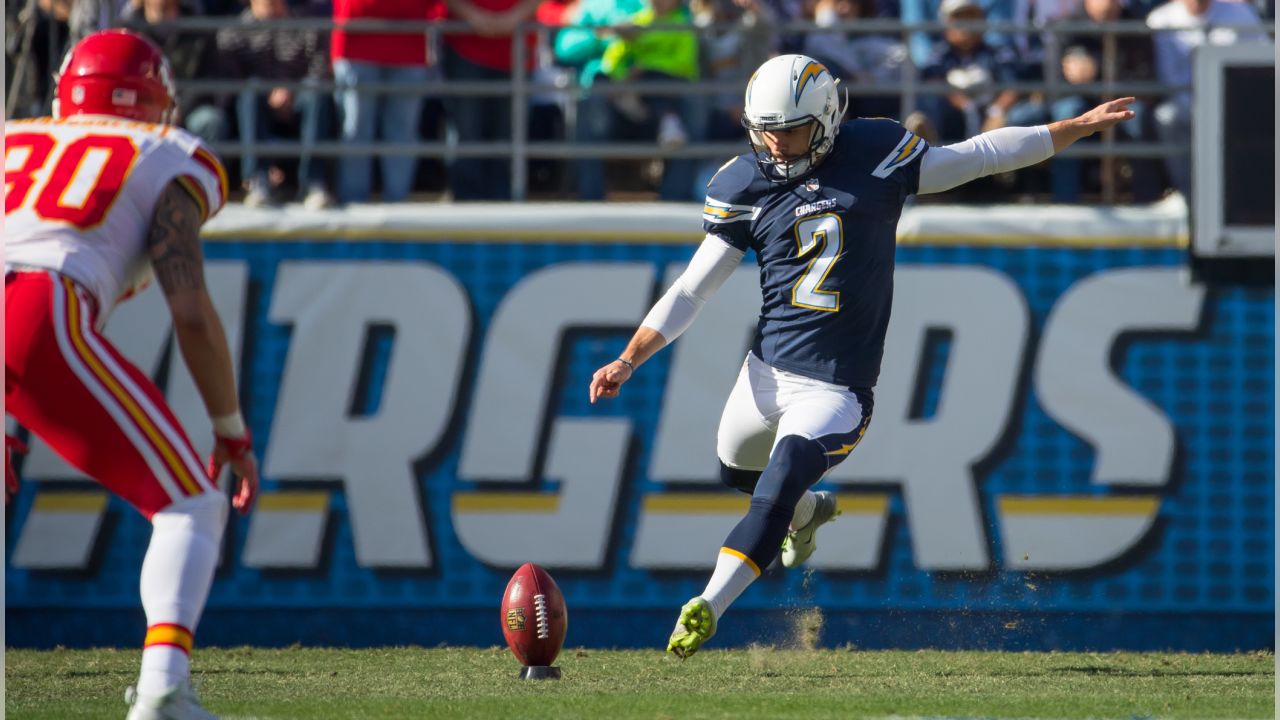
{"points": [[825, 246], [80, 193]]}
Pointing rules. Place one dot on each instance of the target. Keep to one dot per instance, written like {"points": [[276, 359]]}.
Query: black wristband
{"points": [[626, 362]]}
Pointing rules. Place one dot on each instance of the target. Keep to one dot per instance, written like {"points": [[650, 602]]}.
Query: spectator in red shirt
{"points": [[379, 57], [484, 55], [547, 109]]}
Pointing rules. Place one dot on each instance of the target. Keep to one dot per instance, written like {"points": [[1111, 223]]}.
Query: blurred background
{"points": [[449, 214]]}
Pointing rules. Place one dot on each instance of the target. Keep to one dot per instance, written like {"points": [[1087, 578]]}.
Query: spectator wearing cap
{"points": [[1182, 26], [974, 70], [361, 58]]}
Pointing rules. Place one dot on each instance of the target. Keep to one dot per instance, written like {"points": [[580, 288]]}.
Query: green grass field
{"points": [[752, 683]]}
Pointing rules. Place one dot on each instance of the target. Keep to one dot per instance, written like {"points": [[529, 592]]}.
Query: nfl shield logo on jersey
{"points": [[812, 185]]}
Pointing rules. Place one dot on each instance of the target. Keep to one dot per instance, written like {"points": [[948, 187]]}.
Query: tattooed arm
{"points": [[173, 245]]}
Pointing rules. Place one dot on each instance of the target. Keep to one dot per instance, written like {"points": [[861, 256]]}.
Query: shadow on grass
{"points": [[1126, 672]]}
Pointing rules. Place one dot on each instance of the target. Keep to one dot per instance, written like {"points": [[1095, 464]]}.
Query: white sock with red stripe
{"points": [[732, 575], [163, 668], [176, 575]]}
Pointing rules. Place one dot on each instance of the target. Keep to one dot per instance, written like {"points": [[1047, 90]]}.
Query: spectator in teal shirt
{"points": [[583, 47], [641, 54], [614, 47], [669, 52]]}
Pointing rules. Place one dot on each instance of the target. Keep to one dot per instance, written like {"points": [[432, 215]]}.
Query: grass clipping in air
{"points": [[807, 628], [804, 633]]}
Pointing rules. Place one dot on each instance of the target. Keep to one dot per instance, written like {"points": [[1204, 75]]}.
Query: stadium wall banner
{"points": [[1072, 444]]}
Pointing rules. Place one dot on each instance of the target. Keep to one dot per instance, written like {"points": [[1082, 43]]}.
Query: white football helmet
{"points": [[786, 92]]}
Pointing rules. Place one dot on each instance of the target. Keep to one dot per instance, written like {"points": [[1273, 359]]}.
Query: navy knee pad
{"points": [[794, 466]]}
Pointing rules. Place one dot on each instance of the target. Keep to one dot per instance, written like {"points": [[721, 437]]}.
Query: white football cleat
{"points": [[180, 703], [798, 545]]}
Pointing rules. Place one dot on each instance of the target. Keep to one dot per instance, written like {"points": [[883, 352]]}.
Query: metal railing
{"points": [[519, 149]]}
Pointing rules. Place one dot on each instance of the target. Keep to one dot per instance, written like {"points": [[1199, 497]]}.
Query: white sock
{"points": [[733, 573], [163, 668], [176, 575], [804, 510]]}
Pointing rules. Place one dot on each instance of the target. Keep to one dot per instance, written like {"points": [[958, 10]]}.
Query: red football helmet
{"points": [[115, 72]]}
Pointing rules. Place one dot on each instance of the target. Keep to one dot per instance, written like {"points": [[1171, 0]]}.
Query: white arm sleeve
{"points": [[711, 265], [992, 152]]}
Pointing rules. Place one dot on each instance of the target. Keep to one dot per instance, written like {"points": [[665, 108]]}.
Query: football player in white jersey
{"points": [[98, 199], [818, 200]]}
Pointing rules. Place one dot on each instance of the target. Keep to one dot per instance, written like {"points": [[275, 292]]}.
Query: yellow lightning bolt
{"points": [[810, 71]]}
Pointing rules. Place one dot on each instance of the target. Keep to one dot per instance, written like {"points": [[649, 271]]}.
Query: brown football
{"points": [[534, 618]]}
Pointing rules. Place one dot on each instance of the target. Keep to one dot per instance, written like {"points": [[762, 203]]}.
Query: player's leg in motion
{"points": [[745, 435], [816, 425], [744, 443], [825, 416], [813, 510], [70, 387]]}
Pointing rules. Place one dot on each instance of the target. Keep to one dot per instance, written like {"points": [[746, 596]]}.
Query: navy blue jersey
{"points": [[825, 245]]}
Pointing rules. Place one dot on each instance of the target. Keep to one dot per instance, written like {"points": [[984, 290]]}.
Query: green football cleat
{"points": [[696, 625], [798, 545]]}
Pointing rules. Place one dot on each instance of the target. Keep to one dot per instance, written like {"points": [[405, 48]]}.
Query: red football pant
{"points": [[72, 388]]}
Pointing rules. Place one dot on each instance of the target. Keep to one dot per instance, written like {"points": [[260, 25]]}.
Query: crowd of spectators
{"points": [[360, 86]]}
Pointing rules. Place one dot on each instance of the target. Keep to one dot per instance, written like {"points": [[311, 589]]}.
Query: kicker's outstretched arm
{"points": [[1010, 148]]}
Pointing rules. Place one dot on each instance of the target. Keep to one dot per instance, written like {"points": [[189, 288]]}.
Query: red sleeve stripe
{"points": [[196, 190], [211, 162]]}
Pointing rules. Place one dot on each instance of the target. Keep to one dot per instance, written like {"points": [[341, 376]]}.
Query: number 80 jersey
{"points": [[825, 245], [80, 193]]}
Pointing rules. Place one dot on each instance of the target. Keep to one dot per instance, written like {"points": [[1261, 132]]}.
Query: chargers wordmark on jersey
{"points": [[817, 207]]}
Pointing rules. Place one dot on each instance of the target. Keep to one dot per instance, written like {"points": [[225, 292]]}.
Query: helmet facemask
{"points": [[782, 171]]}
